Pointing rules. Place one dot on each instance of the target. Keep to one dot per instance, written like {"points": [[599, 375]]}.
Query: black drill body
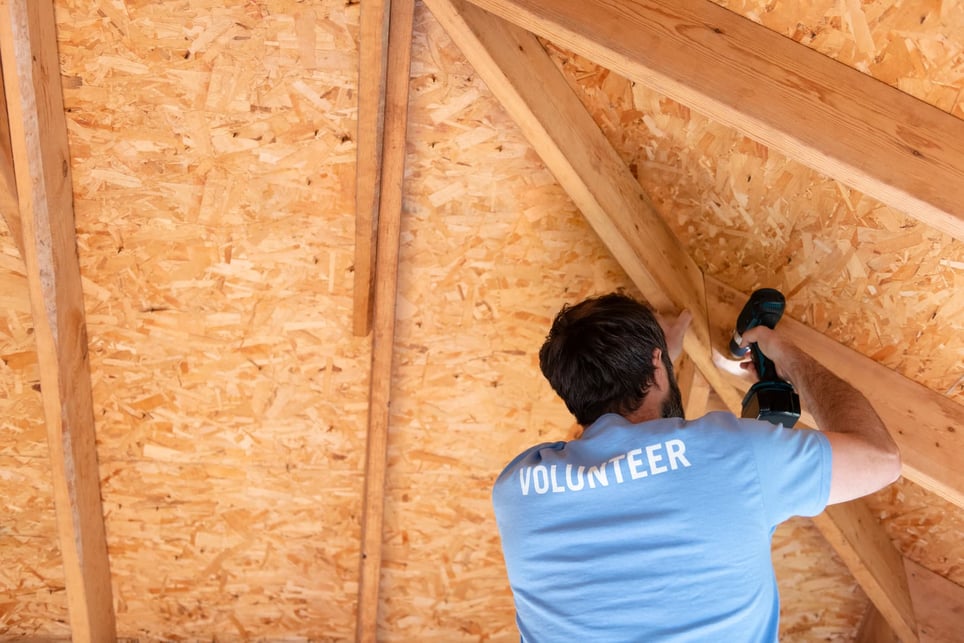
{"points": [[771, 399]]}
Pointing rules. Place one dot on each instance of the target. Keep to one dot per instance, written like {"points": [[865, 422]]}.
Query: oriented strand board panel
{"points": [[819, 599], [927, 529], [491, 248], [213, 162], [33, 602], [21, 408], [242, 551]]}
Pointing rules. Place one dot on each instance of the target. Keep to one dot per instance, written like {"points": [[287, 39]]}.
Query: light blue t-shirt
{"points": [[658, 531]]}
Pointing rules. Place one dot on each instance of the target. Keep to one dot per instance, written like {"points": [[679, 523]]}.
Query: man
{"points": [[653, 528]]}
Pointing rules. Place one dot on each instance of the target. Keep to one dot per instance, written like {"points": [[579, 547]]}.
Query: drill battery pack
{"points": [[773, 401]]}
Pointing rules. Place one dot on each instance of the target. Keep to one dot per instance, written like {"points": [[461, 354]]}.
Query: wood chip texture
{"points": [[213, 163]]}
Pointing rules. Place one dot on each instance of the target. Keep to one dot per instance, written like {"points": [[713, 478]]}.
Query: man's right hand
{"points": [[782, 352], [865, 457]]}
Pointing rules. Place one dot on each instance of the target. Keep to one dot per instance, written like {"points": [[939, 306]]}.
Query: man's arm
{"points": [[865, 457]]}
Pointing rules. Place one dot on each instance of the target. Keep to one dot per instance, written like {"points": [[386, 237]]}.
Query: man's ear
{"points": [[657, 365]]}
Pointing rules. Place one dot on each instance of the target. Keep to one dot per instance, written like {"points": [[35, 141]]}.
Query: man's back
{"points": [[658, 530]]}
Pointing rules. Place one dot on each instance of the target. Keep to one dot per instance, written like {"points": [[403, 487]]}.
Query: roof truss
{"points": [[923, 422]]}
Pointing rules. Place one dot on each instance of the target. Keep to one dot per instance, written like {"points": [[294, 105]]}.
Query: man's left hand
{"points": [[675, 330]]}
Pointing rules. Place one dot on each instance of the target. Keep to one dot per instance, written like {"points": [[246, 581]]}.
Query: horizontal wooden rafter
{"points": [[822, 113]]}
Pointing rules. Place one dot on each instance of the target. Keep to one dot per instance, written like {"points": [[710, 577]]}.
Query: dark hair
{"points": [[598, 355]]}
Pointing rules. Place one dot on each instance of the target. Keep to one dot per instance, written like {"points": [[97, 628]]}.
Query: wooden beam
{"points": [[383, 330], [925, 424], [9, 207], [38, 133], [822, 113], [574, 149], [369, 141], [939, 604], [861, 542]]}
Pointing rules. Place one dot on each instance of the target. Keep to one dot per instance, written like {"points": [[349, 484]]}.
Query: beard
{"points": [[673, 404]]}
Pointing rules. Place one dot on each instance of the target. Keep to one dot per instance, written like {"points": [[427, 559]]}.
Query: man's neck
{"points": [[650, 409]]}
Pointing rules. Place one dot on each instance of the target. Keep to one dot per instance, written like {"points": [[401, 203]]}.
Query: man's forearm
{"points": [[836, 405]]}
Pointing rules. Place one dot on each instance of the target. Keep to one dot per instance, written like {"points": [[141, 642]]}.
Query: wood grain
{"points": [[383, 325], [9, 208], [372, 76]]}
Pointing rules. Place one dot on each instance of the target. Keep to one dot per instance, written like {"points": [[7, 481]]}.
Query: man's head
{"points": [[602, 356]]}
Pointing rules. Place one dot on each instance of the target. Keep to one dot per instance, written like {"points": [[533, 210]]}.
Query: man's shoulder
{"points": [[528, 454], [720, 419], [726, 422]]}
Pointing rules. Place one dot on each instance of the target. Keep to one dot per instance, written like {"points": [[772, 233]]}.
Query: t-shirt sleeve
{"points": [[794, 469]]}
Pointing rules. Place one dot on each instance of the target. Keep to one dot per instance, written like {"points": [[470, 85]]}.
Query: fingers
{"points": [[758, 335], [774, 345], [675, 331]]}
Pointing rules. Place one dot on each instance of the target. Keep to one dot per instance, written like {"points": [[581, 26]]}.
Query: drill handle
{"points": [[765, 368]]}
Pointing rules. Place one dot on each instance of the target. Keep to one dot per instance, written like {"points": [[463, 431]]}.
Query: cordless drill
{"points": [[771, 399]]}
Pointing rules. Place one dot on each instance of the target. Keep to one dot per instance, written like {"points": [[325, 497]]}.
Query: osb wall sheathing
{"points": [[213, 158], [213, 162]]}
